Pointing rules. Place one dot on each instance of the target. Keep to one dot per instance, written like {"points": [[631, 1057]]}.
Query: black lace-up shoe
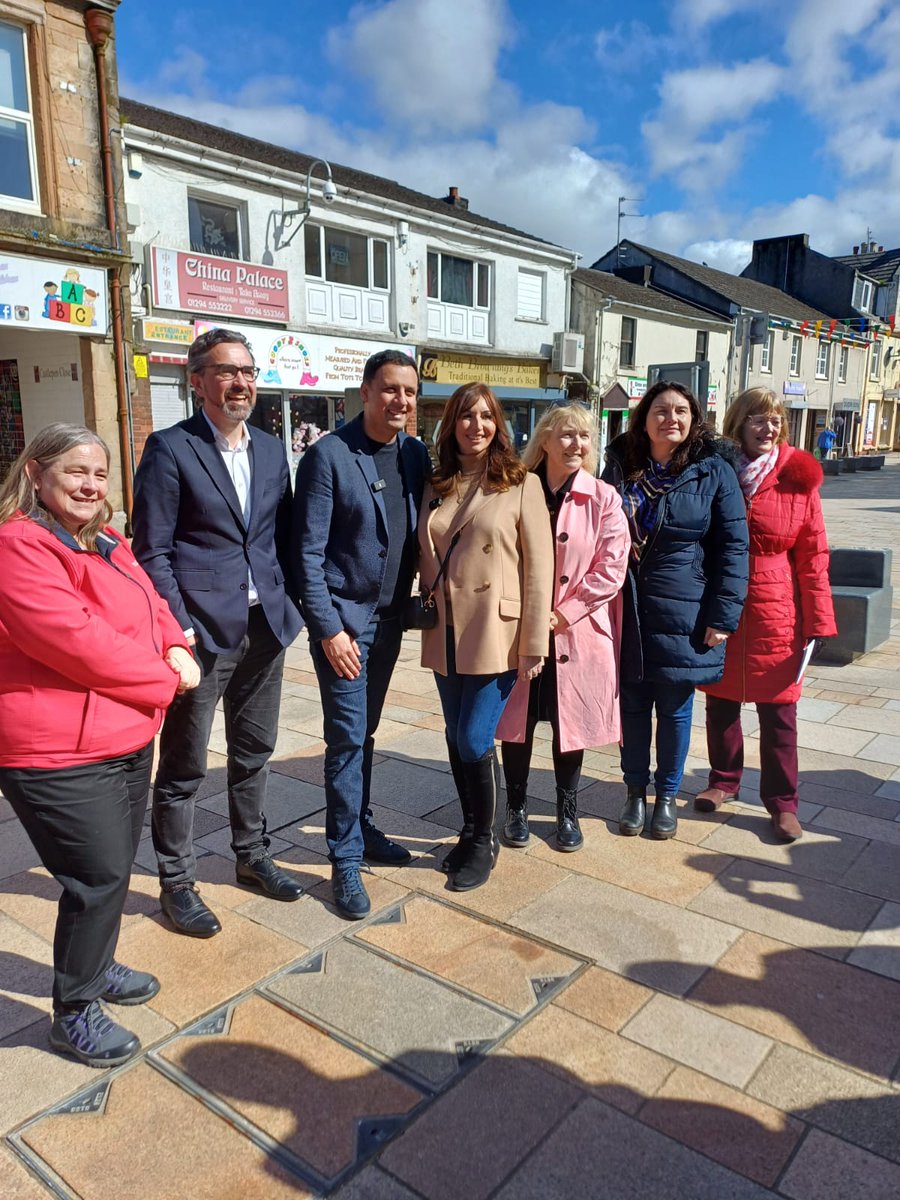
{"points": [[264, 875], [187, 912]]}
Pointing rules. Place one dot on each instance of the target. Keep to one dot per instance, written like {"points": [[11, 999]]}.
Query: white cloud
{"points": [[730, 254], [431, 65]]}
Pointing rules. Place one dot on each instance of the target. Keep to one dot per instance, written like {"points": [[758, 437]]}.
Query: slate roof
{"points": [[647, 297], [746, 293], [144, 116], [880, 266]]}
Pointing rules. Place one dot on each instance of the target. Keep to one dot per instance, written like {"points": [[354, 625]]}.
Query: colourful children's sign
{"points": [[40, 293]]}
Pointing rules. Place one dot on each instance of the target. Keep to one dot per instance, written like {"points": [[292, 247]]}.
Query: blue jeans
{"points": [[352, 709], [674, 705], [473, 706]]}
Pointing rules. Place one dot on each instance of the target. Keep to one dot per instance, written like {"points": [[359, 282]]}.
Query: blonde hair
{"points": [[554, 418], [754, 402], [18, 493]]}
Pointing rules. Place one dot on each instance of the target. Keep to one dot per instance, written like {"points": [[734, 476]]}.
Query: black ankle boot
{"points": [[568, 832], [665, 817], [453, 861], [515, 831], [478, 853], [634, 814]]}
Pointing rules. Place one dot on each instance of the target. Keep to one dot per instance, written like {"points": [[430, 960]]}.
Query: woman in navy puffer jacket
{"points": [[687, 580]]}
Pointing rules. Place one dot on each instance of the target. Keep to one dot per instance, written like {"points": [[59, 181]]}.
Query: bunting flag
{"points": [[831, 328], [804, 328], [891, 320], [818, 328]]}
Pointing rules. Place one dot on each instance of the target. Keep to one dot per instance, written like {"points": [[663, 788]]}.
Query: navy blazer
{"points": [[190, 537], [339, 537]]}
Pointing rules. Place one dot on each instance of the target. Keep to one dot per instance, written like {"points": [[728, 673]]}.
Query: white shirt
{"points": [[237, 464]]}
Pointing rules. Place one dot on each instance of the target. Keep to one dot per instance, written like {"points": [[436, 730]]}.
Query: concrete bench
{"points": [[863, 597]]}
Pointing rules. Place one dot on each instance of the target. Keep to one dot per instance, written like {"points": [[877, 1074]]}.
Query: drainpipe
{"points": [[99, 26]]}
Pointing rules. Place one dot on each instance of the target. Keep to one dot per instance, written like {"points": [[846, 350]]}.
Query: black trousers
{"points": [[249, 684], [85, 824], [542, 706]]}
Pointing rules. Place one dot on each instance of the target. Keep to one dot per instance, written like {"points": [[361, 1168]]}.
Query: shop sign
{"points": [[712, 397], [794, 387], [223, 287], [43, 293], [496, 372], [307, 361], [847, 405], [635, 388], [869, 437], [175, 333]]}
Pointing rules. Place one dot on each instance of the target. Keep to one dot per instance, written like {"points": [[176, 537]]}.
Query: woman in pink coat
{"points": [[578, 690]]}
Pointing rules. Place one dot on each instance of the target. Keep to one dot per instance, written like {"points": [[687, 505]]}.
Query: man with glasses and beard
{"points": [[212, 505]]}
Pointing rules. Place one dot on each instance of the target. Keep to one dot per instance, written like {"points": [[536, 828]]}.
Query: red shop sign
{"points": [[222, 287]]}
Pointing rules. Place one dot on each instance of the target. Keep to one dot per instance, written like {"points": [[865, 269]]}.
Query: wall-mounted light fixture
{"points": [[279, 221], [402, 234]]}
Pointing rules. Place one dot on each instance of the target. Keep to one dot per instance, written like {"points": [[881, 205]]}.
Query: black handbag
{"points": [[421, 611]]}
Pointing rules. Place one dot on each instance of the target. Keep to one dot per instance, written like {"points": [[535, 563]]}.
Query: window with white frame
{"points": [[862, 294], [530, 295], [339, 256], [822, 360], [875, 360], [796, 351], [462, 281], [765, 361], [701, 348], [843, 359], [627, 342], [214, 227], [18, 157]]}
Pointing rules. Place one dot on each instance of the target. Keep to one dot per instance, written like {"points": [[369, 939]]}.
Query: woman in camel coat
{"points": [[484, 517]]}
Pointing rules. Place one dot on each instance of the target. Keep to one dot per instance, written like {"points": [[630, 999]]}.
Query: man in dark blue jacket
{"points": [[356, 502], [212, 500]]}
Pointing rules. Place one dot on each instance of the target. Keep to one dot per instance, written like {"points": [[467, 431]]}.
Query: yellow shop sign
{"points": [[498, 372]]}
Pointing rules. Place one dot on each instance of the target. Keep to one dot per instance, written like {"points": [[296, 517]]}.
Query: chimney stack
{"points": [[856, 249], [455, 200]]}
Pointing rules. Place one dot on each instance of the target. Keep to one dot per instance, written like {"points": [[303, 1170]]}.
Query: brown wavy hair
{"points": [[754, 402], [637, 443], [502, 468]]}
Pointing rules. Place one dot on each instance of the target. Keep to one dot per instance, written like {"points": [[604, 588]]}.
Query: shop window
{"points": [[796, 350], [18, 163], [822, 361], [215, 228], [309, 420], [701, 352], [530, 297], [460, 281], [627, 342], [842, 364], [342, 257]]}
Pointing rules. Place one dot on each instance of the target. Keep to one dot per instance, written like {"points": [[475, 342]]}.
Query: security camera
{"points": [[329, 192]]}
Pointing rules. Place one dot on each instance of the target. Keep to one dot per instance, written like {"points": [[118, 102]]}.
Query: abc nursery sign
{"points": [[43, 293]]}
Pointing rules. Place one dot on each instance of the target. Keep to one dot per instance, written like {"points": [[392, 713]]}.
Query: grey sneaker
{"points": [[91, 1037], [350, 896], [124, 986]]}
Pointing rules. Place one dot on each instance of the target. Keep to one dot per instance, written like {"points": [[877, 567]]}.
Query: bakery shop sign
{"points": [[225, 287]]}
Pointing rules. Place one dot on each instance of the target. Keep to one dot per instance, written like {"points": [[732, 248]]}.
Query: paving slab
{"points": [[617, 1069], [372, 1183], [648, 941], [472, 1138], [860, 824], [879, 947], [288, 801], [804, 912], [618, 1158], [298, 1084], [822, 1160], [603, 997], [426, 1028], [513, 972], [818, 855], [699, 1039], [414, 834], [144, 1112], [871, 804], [876, 872], [855, 1107], [803, 999], [16, 852], [16, 1180], [726, 1125], [411, 787]]}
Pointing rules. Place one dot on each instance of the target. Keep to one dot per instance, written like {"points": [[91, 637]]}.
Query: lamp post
{"points": [[279, 221]]}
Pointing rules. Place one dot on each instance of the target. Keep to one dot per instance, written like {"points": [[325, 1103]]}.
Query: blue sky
{"points": [[731, 119]]}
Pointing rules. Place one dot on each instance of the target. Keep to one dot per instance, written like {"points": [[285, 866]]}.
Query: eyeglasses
{"points": [[230, 371], [763, 422]]}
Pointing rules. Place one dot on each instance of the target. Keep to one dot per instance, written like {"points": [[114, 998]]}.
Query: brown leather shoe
{"points": [[786, 826], [712, 799]]}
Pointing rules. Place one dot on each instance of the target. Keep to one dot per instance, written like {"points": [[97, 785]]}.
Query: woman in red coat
{"points": [[788, 605]]}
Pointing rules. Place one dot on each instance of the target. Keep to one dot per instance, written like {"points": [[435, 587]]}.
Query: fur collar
{"points": [[798, 471]]}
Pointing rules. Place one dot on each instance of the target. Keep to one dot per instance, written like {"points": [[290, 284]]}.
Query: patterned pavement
{"points": [[715, 1016]]}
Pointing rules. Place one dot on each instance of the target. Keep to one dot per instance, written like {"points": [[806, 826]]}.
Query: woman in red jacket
{"points": [[788, 605], [90, 656]]}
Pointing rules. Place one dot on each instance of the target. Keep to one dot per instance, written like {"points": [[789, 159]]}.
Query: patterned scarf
{"points": [[752, 471], [640, 500]]}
